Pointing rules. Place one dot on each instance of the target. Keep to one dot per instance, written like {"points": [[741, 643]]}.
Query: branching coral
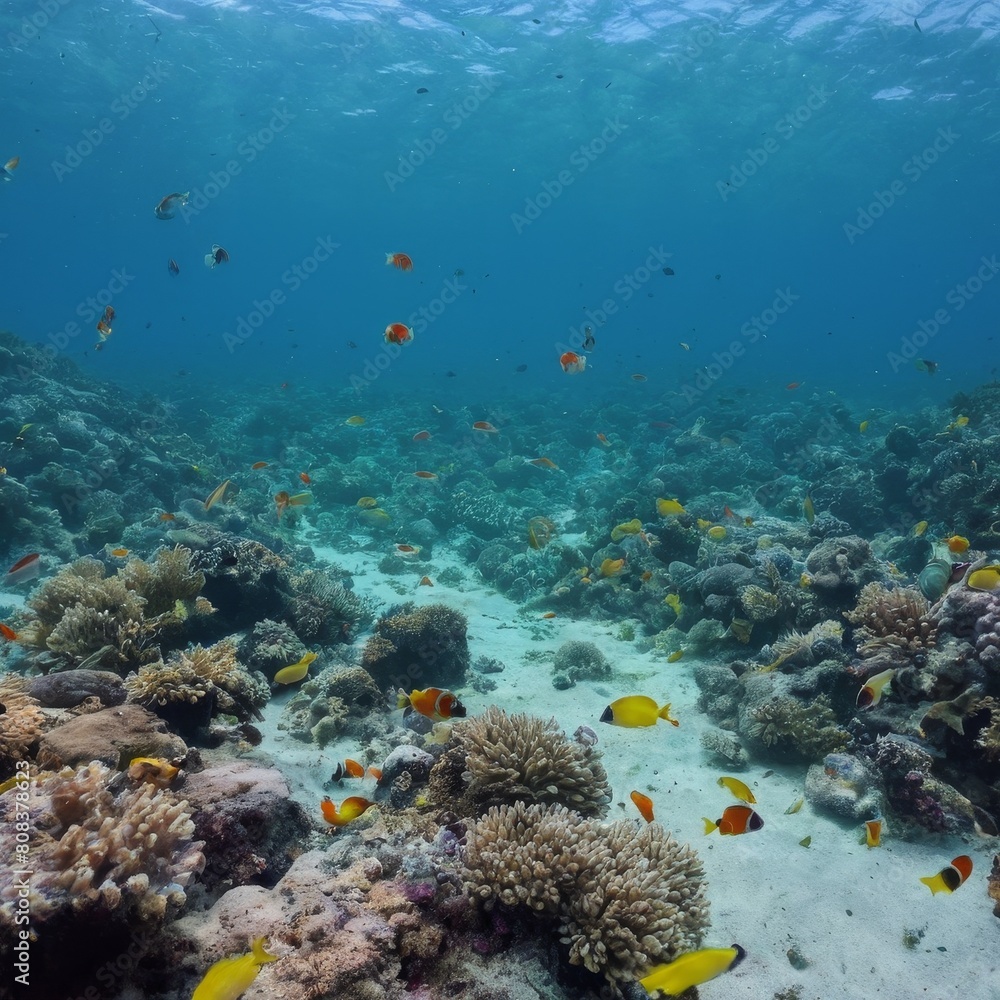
{"points": [[759, 604], [496, 758], [324, 611], [798, 649], [894, 624], [97, 845], [622, 898]]}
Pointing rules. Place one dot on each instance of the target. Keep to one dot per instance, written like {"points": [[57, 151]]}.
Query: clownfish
{"points": [[350, 809], [692, 969], [398, 333], [230, 978], [572, 363], [400, 261], [636, 710], [434, 703], [735, 820], [950, 878], [871, 693]]}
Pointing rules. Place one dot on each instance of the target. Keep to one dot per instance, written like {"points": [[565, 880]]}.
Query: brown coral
{"points": [[21, 724], [809, 730], [496, 759], [892, 623], [623, 898], [95, 847]]}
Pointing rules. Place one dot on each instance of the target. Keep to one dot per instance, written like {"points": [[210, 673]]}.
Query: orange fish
{"points": [[353, 768], [549, 614], [644, 804], [646, 576], [434, 703], [305, 477], [168, 517], [485, 427], [873, 832], [398, 333], [735, 820], [401, 261], [957, 544], [119, 553], [408, 551], [425, 475], [103, 329], [602, 440], [950, 878], [7, 632], [258, 465], [282, 502], [572, 363], [350, 809], [726, 512], [422, 436], [638, 378], [543, 463], [425, 581], [793, 385], [26, 568]]}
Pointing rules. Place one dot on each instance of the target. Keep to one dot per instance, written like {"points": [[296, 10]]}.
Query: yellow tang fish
{"points": [[984, 578], [675, 656], [667, 507], [295, 672], [692, 969], [738, 788], [863, 426], [717, 533], [230, 978], [636, 710], [809, 509]]}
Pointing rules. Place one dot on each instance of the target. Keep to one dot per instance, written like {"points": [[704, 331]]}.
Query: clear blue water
{"points": [[692, 91]]}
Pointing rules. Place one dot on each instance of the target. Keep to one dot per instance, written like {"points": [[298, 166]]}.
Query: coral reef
{"points": [[496, 758], [575, 661], [67, 690], [22, 724], [893, 625], [621, 898], [418, 647], [338, 701]]}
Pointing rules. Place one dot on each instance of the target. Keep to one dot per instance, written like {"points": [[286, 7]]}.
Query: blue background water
{"points": [[691, 87]]}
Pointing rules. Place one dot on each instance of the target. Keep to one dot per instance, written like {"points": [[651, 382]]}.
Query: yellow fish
{"points": [[217, 494], [295, 672], [717, 533], [863, 426], [795, 807], [703, 524], [636, 710], [873, 832], [667, 507], [230, 978], [673, 601], [367, 502], [619, 531], [156, 770], [354, 421], [738, 788], [809, 509], [919, 528], [984, 578], [692, 969], [612, 567], [805, 581], [675, 656]]}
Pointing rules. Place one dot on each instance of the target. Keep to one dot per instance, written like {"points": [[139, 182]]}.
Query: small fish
{"points": [[871, 693], [805, 841], [673, 601], [984, 578], [484, 427], [398, 333], [434, 703], [549, 614], [950, 878], [588, 339], [119, 553], [873, 832], [685, 346], [692, 969], [669, 272], [863, 426], [520, 369], [676, 655], [919, 528], [155, 770], [367, 502], [230, 978], [217, 494], [717, 532], [422, 474], [296, 671], [350, 809], [400, 261], [572, 363], [667, 508], [636, 710], [305, 477], [703, 524], [422, 436], [8, 633], [168, 206], [7, 170], [793, 385], [542, 463], [735, 820], [407, 551], [644, 804], [740, 629], [738, 788], [805, 581], [26, 568], [748, 521], [258, 466], [795, 807], [637, 377], [349, 769], [355, 421], [809, 509], [957, 544], [602, 440], [923, 365], [917, 26], [727, 511], [173, 267], [612, 567], [216, 256], [425, 581]]}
